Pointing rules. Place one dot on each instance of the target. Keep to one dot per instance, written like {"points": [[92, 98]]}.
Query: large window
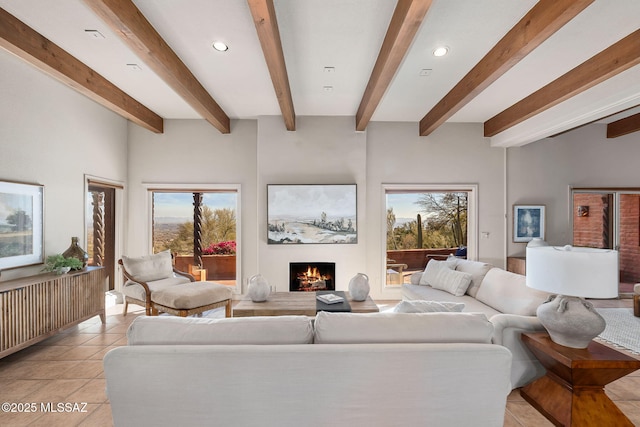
{"points": [[200, 227], [426, 221]]}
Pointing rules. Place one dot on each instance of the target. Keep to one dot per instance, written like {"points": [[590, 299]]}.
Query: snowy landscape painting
{"points": [[312, 213]]}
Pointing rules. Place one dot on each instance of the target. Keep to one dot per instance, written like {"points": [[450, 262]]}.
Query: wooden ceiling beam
{"points": [[24, 42], [613, 60], [623, 126], [264, 18], [543, 20], [124, 18], [407, 18]]}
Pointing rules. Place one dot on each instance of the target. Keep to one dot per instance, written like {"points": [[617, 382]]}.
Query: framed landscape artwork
{"points": [[303, 214], [528, 222], [21, 224]]}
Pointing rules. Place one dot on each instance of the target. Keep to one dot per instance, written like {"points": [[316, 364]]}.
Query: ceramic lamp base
{"points": [[570, 321]]}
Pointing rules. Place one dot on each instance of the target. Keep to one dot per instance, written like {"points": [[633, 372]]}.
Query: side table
{"points": [[572, 391]]}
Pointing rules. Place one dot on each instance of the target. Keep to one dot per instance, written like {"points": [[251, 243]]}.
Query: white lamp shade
{"points": [[572, 271]]}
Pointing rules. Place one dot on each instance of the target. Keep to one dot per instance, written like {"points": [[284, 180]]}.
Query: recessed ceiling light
{"points": [[441, 51], [220, 46]]}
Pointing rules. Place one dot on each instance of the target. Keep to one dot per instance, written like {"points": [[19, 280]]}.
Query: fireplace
{"points": [[312, 276]]}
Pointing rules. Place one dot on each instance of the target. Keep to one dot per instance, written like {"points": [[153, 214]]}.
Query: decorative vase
{"points": [[570, 321], [359, 287], [259, 288], [75, 251]]}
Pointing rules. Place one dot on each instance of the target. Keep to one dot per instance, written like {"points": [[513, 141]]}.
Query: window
{"points": [[201, 228], [426, 221]]}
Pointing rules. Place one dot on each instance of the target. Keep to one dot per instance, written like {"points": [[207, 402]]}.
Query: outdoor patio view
{"points": [[200, 229], [423, 225]]}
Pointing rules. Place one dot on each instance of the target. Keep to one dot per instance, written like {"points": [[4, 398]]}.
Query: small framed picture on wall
{"points": [[528, 222]]}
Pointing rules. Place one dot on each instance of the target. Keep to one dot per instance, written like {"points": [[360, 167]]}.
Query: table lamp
{"points": [[572, 274]]}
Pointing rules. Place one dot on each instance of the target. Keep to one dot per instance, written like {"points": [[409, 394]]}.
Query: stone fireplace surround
{"points": [[312, 276]]}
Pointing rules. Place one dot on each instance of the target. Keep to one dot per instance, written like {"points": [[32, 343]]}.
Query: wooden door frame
{"points": [[115, 216]]}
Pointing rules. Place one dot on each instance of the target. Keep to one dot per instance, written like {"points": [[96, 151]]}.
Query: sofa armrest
{"points": [[507, 329], [184, 274], [503, 322]]}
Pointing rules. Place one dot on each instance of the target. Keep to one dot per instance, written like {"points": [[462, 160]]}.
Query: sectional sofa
{"points": [[337, 369], [502, 296]]}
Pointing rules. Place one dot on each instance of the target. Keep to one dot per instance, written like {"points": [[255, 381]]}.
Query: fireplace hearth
{"points": [[312, 276]]}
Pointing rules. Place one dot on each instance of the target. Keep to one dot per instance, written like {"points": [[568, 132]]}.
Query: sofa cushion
{"points": [[191, 295], [477, 270], [508, 293], [421, 306], [471, 305], [149, 267], [358, 328], [172, 330]]}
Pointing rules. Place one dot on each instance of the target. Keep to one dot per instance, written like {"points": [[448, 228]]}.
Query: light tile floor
{"points": [[67, 368]]}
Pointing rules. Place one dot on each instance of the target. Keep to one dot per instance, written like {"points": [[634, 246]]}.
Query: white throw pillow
{"points": [[432, 271], [477, 270], [454, 282], [439, 275], [428, 307]]}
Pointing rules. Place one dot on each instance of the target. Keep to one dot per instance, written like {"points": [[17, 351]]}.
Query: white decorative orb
{"points": [[259, 289], [359, 287]]}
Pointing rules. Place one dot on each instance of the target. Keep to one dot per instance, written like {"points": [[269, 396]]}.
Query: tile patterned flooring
{"points": [[67, 368]]}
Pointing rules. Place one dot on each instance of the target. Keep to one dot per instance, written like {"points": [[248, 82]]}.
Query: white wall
{"points": [[192, 152], [322, 150], [52, 135], [453, 154], [542, 172]]}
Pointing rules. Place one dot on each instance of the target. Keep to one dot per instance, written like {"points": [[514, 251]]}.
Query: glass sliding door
{"points": [[610, 219]]}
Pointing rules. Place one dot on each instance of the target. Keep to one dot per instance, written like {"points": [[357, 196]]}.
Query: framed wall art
{"points": [[21, 224], [528, 222], [315, 213]]}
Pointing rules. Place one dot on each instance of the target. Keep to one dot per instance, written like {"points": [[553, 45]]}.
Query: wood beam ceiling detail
{"points": [[124, 18], [615, 59], [543, 20], [24, 42], [407, 18], [264, 18], [624, 126]]}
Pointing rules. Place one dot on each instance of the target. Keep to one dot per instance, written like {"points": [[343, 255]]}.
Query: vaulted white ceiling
{"points": [[347, 35]]}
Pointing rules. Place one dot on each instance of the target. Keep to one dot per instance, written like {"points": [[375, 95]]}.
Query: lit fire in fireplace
{"points": [[312, 280]]}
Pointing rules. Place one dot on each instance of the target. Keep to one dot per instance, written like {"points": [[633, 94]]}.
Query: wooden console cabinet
{"points": [[517, 264], [36, 307]]}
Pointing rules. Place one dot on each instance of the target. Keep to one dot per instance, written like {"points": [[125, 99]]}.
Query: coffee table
{"points": [[294, 303]]}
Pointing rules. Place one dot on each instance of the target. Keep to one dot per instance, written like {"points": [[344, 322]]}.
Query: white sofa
{"points": [[501, 295], [344, 369]]}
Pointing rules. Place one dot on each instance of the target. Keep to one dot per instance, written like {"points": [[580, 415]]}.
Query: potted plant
{"points": [[61, 264]]}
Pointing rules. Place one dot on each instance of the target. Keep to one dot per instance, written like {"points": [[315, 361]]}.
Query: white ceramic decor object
{"points": [[359, 287], [259, 289]]}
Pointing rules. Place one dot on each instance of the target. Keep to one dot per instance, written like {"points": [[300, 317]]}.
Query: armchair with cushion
{"points": [[153, 282]]}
